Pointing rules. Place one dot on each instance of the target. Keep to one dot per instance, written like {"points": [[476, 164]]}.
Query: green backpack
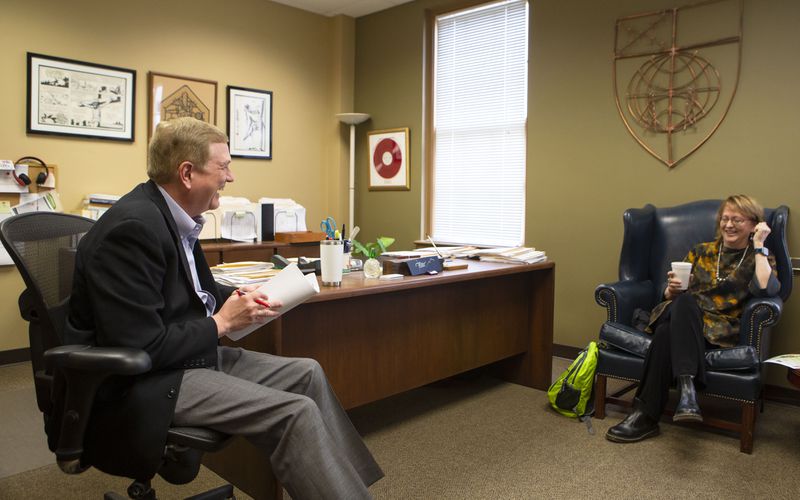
{"points": [[572, 394]]}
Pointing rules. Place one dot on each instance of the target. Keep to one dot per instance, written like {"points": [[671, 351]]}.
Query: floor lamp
{"points": [[352, 119]]}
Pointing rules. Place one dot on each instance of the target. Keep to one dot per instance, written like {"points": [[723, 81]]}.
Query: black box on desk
{"points": [[413, 267], [267, 222]]}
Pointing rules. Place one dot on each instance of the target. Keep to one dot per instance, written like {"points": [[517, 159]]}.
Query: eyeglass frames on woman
{"points": [[736, 221]]}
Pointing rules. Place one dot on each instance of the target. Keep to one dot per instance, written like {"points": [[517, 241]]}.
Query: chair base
{"points": [[143, 491], [745, 427]]}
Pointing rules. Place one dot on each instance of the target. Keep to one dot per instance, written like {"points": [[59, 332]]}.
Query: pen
{"points": [[257, 301], [434, 247], [343, 232]]}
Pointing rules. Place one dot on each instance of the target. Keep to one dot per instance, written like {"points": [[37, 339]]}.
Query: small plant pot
{"points": [[373, 268]]}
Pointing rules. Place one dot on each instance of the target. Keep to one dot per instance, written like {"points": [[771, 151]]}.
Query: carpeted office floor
{"points": [[472, 438]]}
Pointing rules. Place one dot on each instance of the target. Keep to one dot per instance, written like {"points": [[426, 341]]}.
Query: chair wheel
{"points": [[141, 491]]}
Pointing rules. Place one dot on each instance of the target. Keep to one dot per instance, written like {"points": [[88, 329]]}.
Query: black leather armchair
{"points": [[66, 377], [653, 238]]}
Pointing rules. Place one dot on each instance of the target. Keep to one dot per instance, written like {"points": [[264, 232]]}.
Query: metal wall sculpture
{"points": [[668, 75]]}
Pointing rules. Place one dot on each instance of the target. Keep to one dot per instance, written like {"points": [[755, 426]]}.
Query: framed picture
{"points": [[388, 157], [172, 96], [250, 122], [67, 97]]}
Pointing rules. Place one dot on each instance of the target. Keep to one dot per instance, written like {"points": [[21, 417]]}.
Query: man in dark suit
{"points": [[141, 280]]}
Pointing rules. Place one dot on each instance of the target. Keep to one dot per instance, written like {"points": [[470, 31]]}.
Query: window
{"points": [[479, 95]]}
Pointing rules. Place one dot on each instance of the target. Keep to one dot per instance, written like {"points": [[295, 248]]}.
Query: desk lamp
{"points": [[352, 119]]}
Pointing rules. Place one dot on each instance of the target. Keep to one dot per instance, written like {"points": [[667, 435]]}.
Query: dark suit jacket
{"points": [[133, 288]]}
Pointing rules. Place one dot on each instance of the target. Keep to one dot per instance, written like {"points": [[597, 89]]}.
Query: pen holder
{"points": [[331, 254], [348, 246]]}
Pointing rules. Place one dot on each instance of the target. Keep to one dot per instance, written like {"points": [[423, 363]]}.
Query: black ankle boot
{"points": [[636, 427], [687, 410]]}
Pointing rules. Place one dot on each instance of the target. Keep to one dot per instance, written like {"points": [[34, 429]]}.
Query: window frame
{"points": [[429, 142]]}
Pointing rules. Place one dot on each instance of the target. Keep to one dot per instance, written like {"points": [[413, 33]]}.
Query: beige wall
{"points": [[584, 169], [305, 59]]}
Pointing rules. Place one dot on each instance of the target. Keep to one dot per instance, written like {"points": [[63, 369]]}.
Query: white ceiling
{"points": [[352, 8]]}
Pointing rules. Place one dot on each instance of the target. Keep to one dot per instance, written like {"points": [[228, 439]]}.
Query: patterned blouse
{"points": [[723, 299]]}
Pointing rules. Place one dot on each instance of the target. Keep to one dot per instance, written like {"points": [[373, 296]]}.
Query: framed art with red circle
{"points": [[388, 160]]}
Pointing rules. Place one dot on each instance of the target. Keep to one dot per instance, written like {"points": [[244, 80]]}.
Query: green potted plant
{"points": [[371, 251]]}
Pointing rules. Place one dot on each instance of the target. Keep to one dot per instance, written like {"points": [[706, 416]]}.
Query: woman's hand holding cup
{"points": [[678, 279]]}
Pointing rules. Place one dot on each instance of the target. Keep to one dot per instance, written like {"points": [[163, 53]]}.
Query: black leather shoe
{"points": [[636, 427], [687, 410]]}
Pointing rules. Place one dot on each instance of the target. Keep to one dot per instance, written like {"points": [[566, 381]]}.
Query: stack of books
{"points": [[95, 205]]}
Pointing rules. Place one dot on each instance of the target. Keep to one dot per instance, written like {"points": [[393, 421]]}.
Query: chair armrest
{"points": [[632, 341], [739, 358], [625, 338], [82, 370], [758, 315], [621, 298], [103, 361]]}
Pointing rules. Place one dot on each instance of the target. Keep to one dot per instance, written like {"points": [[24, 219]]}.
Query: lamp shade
{"points": [[352, 118]]}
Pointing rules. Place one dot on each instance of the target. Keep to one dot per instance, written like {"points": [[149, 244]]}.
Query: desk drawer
{"points": [[300, 250]]}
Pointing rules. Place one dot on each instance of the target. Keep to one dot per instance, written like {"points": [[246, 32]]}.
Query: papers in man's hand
{"points": [[789, 360], [243, 273], [516, 255], [288, 286]]}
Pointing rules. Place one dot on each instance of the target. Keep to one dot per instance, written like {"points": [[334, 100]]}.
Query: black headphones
{"points": [[23, 179]]}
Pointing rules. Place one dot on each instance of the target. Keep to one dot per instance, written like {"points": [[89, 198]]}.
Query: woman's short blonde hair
{"points": [[743, 204], [179, 140]]}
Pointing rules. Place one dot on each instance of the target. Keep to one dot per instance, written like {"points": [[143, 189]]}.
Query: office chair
{"points": [[67, 377], [653, 238]]}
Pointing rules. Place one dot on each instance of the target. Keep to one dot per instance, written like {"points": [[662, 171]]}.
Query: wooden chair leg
{"points": [[600, 397], [748, 426]]}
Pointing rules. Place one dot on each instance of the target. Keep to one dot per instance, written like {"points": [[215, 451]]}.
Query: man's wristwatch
{"points": [[763, 251]]}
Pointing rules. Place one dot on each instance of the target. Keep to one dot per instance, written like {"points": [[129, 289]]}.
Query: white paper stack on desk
{"points": [[243, 273], [515, 255], [446, 252]]}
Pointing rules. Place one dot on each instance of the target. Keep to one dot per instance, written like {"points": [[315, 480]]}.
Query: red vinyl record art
{"points": [[387, 158]]}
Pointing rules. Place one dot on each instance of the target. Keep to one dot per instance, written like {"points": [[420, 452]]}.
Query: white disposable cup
{"points": [[682, 272], [331, 253]]}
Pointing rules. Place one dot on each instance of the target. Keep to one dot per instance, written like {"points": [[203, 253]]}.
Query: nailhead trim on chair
{"points": [[704, 393], [611, 306], [619, 378], [760, 327]]}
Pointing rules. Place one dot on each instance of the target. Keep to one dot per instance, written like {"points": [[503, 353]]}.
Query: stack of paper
{"points": [[789, 360], [96, 204], [243, 273], [446, 252], [516, 255]]}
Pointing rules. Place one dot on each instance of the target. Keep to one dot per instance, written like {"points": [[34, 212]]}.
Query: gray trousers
{"points": [[286, 407]]}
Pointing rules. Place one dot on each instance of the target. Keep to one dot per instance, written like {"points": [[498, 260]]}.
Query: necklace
{"points": [[719, 254]]}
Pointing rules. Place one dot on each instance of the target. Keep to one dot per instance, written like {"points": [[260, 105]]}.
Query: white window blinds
{"points": [[480, 110]]}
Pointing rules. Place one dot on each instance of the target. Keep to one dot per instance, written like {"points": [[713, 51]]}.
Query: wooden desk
{"points": [[379, 338], [794, 377], [217, 252]]}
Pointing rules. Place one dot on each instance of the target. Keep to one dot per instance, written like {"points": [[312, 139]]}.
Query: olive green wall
{"points": [[305, 59], [584, 169]]}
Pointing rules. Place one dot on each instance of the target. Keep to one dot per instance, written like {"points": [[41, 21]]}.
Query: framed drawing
{"points": [[172, 96], [67, 97], [250, 122], [388, 157]]}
